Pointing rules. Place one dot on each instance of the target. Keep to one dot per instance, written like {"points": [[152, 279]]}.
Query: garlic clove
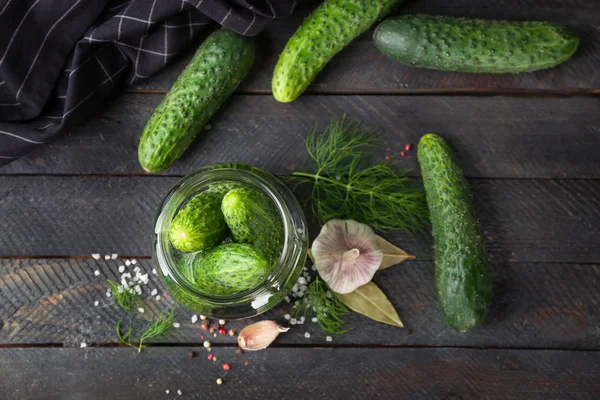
{"points": [[259, 335], [346, 254]]}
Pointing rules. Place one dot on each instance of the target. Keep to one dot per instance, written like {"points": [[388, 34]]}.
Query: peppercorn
{"points": [[403, 153], [211, 356], [226, 367], [408, 147], [192, 354], [222, 331]]}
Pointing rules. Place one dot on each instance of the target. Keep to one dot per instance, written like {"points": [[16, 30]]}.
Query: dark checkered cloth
{"points": [[61, 59]]}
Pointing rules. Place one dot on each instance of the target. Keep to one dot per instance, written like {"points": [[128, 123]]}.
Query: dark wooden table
{"points": [[530, 145]]}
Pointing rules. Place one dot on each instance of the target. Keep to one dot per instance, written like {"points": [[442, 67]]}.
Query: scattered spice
{"points": [[403, 153], [211, 356], [222, 322], [206, 344], [222, 331], [226, 367], [408, 147], [231, 332], [219, 381]]}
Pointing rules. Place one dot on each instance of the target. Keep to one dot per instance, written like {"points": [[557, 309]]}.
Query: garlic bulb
{"points": [[346, 254], [259, 335]]}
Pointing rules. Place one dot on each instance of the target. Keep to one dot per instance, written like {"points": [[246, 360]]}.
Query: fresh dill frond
{"points": [[342, 188], [126, 337], [319, 301], [126, 298], [158, 327]]}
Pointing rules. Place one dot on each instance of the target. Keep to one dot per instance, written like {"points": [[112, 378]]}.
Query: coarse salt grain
{"points": [[306, 335], [114, 256], [136, 269], [97, 273], [176, 325], [158, 297], [328, 338], [108, 294], [293, 321], [107, 257], [140, 309], [96, 303], [134, 261], [287, 316], [194, 319], [167, 391], [127, 262], [302, 280], [222, 322], [179, 392], [154, 271], [96, 256], [83, 344], [314, 319], [121, 269]]}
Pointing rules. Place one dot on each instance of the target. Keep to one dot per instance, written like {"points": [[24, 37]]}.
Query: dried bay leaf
{"points": [[371, 302], [392, 255]]}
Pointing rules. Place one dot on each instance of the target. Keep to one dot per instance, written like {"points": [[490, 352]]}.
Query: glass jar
{"points": [[284, 274]]}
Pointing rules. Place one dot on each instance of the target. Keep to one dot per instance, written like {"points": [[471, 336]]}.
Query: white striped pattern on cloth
{"points": [[48, 83]]}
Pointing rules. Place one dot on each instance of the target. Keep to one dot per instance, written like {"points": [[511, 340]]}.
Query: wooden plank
{"points": [[535, 306], [361, 68], [300, 373], [522, 220], [496, 137]]}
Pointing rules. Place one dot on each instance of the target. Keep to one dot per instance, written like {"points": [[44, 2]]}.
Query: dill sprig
{"points": [[126, 298], [342, 188], [157, 328], [322, 303]]}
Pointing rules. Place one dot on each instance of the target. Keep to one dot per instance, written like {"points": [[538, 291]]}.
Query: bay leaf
{"points": [[371, 302], [392, 255]]}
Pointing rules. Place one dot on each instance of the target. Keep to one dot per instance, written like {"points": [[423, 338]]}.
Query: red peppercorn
{"points": [[403, 153], [246, 363], [204, 327], [213, 330], [226, 367], [388, 158], [211, 356], [408, 147], [388, 149], [222, 331]]}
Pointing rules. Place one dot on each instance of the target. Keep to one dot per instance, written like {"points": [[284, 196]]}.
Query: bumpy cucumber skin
{"points": [[229, 269], [330, 28], [253, 218], [462, 272], [200, 224], [475, 45], [218, 67]]}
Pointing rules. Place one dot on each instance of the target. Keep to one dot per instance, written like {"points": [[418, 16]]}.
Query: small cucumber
{"points": [[462, 272], [200, 223], [220, 64], [330, 28], [475, 45], [229, 269], [253, 218]]}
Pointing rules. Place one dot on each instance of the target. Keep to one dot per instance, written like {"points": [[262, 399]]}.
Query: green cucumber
{"points": [[218, 67], [330, 28], [200, 224], [462, 272], [475, 45], [253, 218], [229, 269]]}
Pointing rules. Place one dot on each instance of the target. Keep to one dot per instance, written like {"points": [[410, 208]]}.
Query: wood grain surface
{"points": [[496, 137], [535, 306], [413, 374], [361, 68], [522, 220]]}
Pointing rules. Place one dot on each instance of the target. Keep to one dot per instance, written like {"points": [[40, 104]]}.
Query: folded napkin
{"points": [[61, 59]]}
